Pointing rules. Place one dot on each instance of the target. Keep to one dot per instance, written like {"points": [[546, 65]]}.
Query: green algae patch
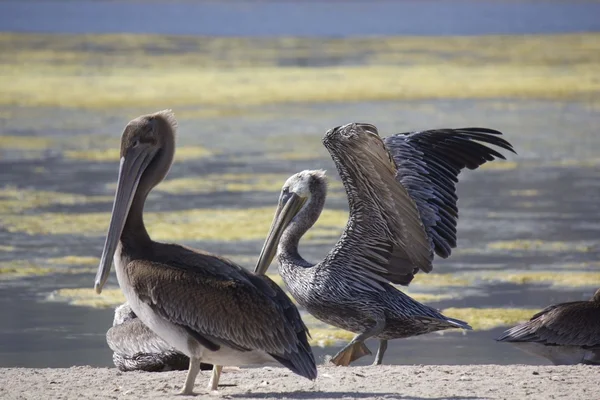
{"points": [[38, 267], [87, 297], [74, 260], [184, 153], [93, 155], [525, 193], [153, 71], [539, 246], [569, 162], [223, 183], [14, 200], [428, 297], [198, 224], [324, 337], [187, 85], [489, 318], [442, 280], [20, 269], [323, 334], [25, 142], [6, 249], [500, 166], [557, 279], [211, 183]]}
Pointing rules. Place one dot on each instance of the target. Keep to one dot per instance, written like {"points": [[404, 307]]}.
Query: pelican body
{"points": [[402, 201], [204, 306], [565, 333], [137, 348]]}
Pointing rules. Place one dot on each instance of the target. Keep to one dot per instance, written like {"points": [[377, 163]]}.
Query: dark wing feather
{"points": [[384, 236], [428, 166], [226, 305], [568, 324]]}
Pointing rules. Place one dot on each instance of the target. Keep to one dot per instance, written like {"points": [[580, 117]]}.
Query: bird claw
{"points": [[350, 354]]}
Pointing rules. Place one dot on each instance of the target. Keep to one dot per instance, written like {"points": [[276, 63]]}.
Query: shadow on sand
{"points": [[345, 395]]}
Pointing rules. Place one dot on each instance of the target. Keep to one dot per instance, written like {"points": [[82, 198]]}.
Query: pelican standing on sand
{"points": [[401, 195], [205, 306], [565, 333]]}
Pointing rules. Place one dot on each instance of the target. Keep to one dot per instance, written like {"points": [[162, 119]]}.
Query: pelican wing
{"points": [[221, 304], [567, 324], [133, 337], [428, 166], [384, 236]]}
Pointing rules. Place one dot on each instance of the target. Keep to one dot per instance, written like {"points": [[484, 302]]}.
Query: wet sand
{"points": [[385, 382]]}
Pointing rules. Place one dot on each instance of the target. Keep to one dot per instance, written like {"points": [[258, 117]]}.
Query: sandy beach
{"points": [[385, 382]]}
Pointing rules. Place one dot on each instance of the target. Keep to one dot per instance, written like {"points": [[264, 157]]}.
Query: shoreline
{"points": [[381, 382]]}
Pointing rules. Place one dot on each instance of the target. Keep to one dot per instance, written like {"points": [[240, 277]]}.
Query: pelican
{"points": [[203, 305], [565, 333], [137, 348], [402, 201]]}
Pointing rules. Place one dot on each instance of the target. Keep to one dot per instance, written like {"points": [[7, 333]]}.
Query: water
{"points": [[302, 18], [541, 198]]}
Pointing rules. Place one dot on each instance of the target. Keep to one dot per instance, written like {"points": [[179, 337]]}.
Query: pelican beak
{"points": [[286, 211], [131, 168]]}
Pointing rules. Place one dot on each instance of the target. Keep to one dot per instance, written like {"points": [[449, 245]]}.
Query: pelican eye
{"points": [[136, 143]]}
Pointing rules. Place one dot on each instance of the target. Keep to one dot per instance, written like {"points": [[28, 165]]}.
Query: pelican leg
{"points": [[188, 387], [213, 384], [380, 352], [357, 348]]}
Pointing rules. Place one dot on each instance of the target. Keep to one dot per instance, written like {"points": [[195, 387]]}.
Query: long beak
{"points": [[283, 216], [131, 169]]}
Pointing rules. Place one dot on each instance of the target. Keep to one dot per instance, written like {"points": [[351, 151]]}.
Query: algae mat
{"points": [[104, 71]]}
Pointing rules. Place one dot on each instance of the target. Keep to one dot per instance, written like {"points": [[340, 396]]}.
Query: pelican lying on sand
{"points": [[205, 306], [565, 333], [401, 193], [137, 348]]}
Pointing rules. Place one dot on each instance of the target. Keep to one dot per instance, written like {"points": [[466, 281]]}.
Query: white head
{"points": [[123, 313], [295, 194], [302, 182]]}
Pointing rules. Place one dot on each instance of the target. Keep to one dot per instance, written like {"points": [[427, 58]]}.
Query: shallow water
{"points": [[552, 206], [302, 18]]}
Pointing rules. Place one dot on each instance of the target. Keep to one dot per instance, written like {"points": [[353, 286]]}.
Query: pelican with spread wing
{"points": [[403, 210]]}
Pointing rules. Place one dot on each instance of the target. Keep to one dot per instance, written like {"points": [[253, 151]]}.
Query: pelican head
{"points": [[147, 149], [296, 192], [123, 313]]}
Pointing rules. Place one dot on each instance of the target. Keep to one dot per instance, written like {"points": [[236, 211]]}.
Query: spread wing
{"points": [[384, 238], [567, 324], [429, 163], [226, 305]]}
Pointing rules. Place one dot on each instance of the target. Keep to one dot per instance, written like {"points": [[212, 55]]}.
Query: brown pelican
{"points": [[565, 333], [203, 305], [137, 348], [401, 195]]}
